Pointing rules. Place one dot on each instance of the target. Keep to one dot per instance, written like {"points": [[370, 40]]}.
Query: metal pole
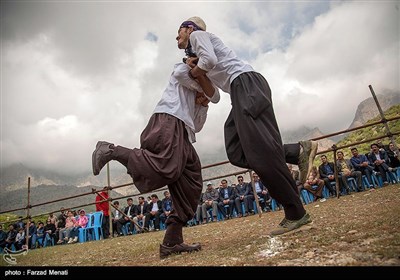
{"points": [[109, 202], [384, 120], [334, 147], [253, 185], [28, 207]]}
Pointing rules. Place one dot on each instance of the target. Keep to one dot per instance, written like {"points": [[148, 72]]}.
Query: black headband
{"points": [[190, 23]]}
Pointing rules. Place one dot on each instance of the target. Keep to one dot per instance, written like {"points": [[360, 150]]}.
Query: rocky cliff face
{"points": [[368, 110]]}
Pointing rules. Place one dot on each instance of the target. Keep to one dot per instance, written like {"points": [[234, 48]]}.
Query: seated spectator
{"points": [[142, 209], [115, 216], [155, 208], [19, 239], [393, 155], [11, 235], [243, 190], [262, 193], [60, 224], [32, 234], [314, 184], [210, 200], [361, 163], [326, 173], [53, 219], [40, 234], [81, 222], [380, 160], [347, 170], [226, 197], [49, 231], [166, 206], [64, 233], [130, 212]]}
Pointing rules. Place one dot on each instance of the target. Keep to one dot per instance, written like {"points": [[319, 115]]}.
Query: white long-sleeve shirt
{"points": [[179, 99], [221, 63]]}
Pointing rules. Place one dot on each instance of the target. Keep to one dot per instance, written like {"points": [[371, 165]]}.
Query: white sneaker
{"points": [[70, 241], [75, 239]]}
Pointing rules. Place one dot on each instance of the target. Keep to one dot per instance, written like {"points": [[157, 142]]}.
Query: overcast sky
{"points": [[73, 73]]}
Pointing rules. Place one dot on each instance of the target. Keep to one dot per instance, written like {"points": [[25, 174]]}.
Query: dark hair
{"points": [[130, 199], [154, 195], [353, 149], [374, 144]]}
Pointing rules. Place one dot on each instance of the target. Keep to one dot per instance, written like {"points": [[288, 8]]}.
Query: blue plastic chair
{"points": [[94, 225], [274, 204], [325, 192], [366, 184], [392, 177], [304, 195], [352, 184]]}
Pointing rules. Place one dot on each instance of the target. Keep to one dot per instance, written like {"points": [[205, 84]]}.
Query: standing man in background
{"points": [[103, 207]]}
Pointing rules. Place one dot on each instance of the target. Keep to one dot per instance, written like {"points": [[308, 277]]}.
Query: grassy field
{"points": [[361, 229]]}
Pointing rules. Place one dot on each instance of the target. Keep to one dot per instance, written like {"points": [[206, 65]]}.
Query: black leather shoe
{"points": [[101, 155], [165, 251]]}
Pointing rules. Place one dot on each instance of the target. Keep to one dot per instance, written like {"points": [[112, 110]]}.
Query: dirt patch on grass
{"points": [[361, 229]]}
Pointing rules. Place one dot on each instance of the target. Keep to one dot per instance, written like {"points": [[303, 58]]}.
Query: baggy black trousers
{"points": [[166, 157], [253, 140]]}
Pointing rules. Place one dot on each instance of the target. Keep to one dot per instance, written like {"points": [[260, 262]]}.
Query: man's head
{"points": [[354, 152], [375, 148], [167, 194], [224, 183], [240, 179], [129, 201], [154, 198], [141, 199], [186, 28], [339, 155], [324, 159], [209, 185], [255, 177]]}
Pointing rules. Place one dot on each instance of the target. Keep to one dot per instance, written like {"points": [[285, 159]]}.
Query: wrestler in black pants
{"points": [[253, 140]]}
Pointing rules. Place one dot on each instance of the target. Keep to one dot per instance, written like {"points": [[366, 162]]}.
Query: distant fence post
{"points": [[109, 201], [334, 147], [389, 133], [28, 206]]}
